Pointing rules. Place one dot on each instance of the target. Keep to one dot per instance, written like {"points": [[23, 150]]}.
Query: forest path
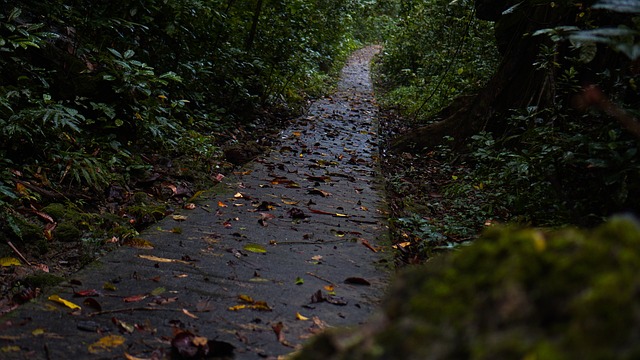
{"points": [[287, 246]]}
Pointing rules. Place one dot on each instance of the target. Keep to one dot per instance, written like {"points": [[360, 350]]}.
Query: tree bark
{"points": [[515, 84], [254, 26]]}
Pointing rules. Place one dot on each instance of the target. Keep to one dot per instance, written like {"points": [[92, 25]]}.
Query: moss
{"points": [[42, 280], [29, 232], [515, 294], [56, 210], [67, 232]]}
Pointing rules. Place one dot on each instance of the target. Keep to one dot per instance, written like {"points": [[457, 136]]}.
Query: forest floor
{"points": [[284, 247]]}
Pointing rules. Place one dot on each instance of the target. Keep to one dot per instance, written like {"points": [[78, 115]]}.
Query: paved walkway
{"points": [[287, 246]]}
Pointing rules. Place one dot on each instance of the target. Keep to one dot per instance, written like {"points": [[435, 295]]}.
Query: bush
{"points": [[513, 294]]}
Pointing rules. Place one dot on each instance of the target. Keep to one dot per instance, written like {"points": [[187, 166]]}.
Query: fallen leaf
{"points": [[179, 217], [106, 343], [135, 298], [330, 288], [290, 202], [86, 293], [299, 281], [278, 330], [246, 298], [300, 317], [195, 196], [186, 312], [109, 286], [10, 348], [238, 196], [138, 243], [123, 326], [255, 248], [322, 193], [367, 245], [296, 213], [222, 205], [9, 261], [161, 260], [92, 303], [38, 331], [189, 206], [157, 291], [356, 281], [69, 304]]}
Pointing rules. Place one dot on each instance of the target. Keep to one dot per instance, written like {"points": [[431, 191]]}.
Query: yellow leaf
{"points": [[238, 196], [64, 302], [195, 196], [221, 204], [300, 317], [237, 307], [255, 248], [106, 343], [162, 260], [10, 348], [246, 298], [9, 261], [297, 133], [38, 331], [329, 288]]}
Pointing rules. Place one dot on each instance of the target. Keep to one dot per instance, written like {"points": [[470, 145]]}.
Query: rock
{"points": [[239, 154], [513, 294]]}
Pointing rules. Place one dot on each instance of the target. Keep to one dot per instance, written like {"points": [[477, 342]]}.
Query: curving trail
{"points": [[287, 246]]}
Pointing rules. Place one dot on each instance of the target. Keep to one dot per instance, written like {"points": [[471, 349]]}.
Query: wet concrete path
{"points": [[288, 246]]}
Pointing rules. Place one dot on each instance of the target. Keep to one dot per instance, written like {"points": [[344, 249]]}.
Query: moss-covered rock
{"points": [[56, 210], [513, 294], [67, 232]]}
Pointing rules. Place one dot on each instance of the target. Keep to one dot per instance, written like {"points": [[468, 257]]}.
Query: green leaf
{"points": [[255, 248], [299, 281]]}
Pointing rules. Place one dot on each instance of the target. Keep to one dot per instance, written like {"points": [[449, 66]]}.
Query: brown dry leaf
{"points": [[189, 206], [278, 330], [138, 243], [179, 217], [322, 193], [106, 343], [161, 260], [367, 245], [189, 314]]}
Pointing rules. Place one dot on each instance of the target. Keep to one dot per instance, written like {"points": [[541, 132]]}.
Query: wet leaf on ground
{"points": [[356, 281], [255, 248], [59, 300], [106, 343]]}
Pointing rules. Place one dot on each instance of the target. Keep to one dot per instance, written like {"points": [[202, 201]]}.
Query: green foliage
{"points": [[512, 294], [86, 85], [437, 51]]}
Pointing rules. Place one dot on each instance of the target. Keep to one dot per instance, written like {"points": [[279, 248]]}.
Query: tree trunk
{"points": [[254, 26], [515, 84]]}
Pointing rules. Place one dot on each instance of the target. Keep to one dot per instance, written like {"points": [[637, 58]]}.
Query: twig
{"points": [[142, 308], [320, 277], [18, 253]]}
